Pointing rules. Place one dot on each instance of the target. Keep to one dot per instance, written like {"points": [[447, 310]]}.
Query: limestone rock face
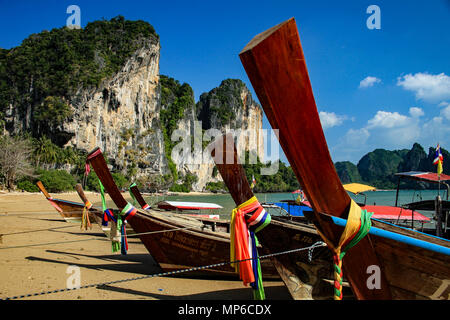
{"points": [[122, 115], [227, 108]]}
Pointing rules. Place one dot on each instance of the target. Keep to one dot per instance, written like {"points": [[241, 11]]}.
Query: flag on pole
{"points": [[439, 159], [253, 182]]}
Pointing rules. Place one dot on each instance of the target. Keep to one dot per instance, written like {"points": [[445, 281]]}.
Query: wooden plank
{"points": [[276, 67]]}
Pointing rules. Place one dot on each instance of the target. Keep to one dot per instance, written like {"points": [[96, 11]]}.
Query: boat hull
{"points": [[413, 272]]}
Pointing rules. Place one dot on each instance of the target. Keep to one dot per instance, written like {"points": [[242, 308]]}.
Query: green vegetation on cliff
{"points": [[378, 168], [49, 67], [176, 99], [217, 107], [284, 180]]}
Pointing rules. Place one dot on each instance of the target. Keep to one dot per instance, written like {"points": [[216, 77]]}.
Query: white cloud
{"points": [[390, 130], [416, 112], [427, 87], [368, 82], [357, 137], [386, 119], [446, 112], [330, 119], [444, 104]]}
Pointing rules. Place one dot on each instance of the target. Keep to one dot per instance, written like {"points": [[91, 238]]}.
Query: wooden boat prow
{"points": [[175, 241], [304, 278], [276, 67]]}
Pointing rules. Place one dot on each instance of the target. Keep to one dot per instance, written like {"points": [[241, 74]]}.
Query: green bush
{"points": [[57, 180], [216, 186], [27, 185], [93, 185], [120, 180], [186, 186], [92, 182]]}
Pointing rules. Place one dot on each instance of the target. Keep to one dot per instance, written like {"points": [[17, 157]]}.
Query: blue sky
{"points": [[379, 88]]}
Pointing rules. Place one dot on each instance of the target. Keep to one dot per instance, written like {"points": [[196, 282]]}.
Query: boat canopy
{"points": [[358, 187], [184, 205], [424, 176], [395, 213], [390, 213]]}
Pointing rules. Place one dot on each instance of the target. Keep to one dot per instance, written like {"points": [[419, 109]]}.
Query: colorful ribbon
{"points": [[244, 243], [85, 223], [118, 234], [357, 227]]}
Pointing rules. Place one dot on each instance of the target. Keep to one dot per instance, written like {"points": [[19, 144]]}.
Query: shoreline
{"points": [[39, 246]]}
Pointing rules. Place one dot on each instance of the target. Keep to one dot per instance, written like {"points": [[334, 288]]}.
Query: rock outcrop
{"points": [[101, 87], [122, 115], [227, 108]]}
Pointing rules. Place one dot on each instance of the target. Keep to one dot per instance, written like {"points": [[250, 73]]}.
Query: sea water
{"points": [[381, 197]]}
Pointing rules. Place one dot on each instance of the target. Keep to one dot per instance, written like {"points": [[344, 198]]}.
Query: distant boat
{"points": [[397, 215], [189, 207], [72, 211], [287, 207], [441, 207]]}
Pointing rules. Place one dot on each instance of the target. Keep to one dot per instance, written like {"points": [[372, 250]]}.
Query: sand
{"points": [[28, 218]]}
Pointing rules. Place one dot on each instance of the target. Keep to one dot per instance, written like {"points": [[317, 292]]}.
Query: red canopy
{"points": [[424, 176], [390, 213], [394, 213]]}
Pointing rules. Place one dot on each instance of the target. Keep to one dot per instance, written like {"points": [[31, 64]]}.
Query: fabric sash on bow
{"points": [[128, 212], [85, 223], [118, 234], [244, 243], [357, 227]]}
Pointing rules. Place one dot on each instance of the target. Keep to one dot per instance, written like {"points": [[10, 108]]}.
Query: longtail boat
{"points": [[73, 211], [175, 241], [189, 208], [305, 273], [440, 207], [393, 214], [404, 264]]}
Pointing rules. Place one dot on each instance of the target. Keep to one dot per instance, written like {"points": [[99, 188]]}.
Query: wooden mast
{"points": [[276, 67]]}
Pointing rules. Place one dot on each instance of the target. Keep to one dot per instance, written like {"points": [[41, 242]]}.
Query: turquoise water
{"points": [[375, 197]]}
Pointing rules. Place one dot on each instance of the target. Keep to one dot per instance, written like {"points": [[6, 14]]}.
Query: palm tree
{"points": [[45, 151]]}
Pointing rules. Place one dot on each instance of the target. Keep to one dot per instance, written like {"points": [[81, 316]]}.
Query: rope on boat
{"points": [[37, 230], [90, 239], [4, 214], [162, 274], [357, 227]]}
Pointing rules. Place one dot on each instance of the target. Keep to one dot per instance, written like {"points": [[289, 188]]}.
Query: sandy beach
{"points": [[38, 250]]}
